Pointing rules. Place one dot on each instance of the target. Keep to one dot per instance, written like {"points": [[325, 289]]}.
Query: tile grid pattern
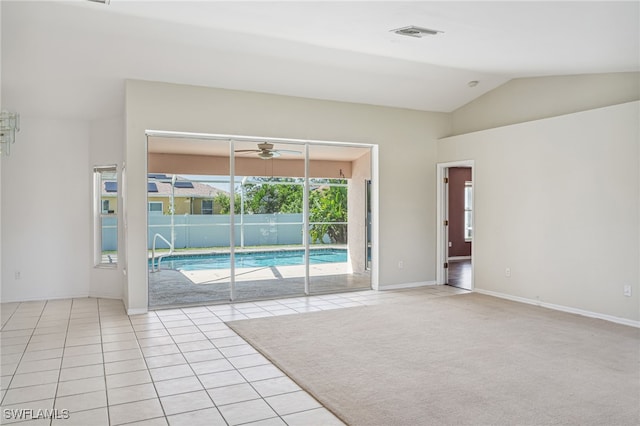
{"points": [[177, 366]]}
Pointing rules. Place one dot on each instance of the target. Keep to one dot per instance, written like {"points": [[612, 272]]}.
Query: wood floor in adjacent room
{"points": [[460, 273]]}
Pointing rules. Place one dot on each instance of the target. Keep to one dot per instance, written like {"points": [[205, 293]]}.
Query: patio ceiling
{"points": [[194, 146]]}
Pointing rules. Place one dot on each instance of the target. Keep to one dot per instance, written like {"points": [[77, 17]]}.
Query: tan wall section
{"points": [[406, 142], [219, 166], [188, 164], [527, 99]]}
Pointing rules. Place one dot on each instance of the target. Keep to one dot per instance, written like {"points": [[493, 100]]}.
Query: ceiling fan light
{"points": [[413, 31]]}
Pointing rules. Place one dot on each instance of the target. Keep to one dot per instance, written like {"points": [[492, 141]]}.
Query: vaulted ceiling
{"points": [[70, 59]]}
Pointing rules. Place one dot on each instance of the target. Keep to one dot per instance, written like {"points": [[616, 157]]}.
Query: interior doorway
{"points": [[455, 230]]}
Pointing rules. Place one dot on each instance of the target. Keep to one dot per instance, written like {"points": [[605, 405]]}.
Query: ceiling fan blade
{"points": [[287, 151], [247, 150]]}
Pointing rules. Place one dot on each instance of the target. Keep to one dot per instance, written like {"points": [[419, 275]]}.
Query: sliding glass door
{"points": [[247, 220], [189, 227], [337, 220], [269, 247]]}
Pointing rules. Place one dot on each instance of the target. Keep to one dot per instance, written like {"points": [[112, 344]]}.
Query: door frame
{"points": [[231, 139], [442, 215]]}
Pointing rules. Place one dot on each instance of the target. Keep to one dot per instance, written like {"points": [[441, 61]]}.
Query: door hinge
{"points": [[446, 223], [446, 180], [446, 265]]}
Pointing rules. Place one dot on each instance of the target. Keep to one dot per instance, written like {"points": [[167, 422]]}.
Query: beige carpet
{"points": [[459, 360]]}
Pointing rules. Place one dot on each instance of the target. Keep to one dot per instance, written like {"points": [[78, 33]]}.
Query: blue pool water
{"points": [[252, 259]]}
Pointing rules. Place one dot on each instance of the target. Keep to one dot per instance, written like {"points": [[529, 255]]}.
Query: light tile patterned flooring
{"points": [[88, 363]]}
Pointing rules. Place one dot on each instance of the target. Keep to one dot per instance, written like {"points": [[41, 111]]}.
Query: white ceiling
{"points": [[70, 59]]}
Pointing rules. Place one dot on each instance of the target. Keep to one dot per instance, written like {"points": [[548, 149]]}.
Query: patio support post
{"points": [[232, 221], [172, 210], [305, 218], [244, 180]]}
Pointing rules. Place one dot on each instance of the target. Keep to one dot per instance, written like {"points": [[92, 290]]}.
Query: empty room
{"points": [[320, 213]]}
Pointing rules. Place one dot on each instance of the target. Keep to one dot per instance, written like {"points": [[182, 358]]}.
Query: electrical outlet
{"points": [[627, 290], [400, 264], [507, 272], [450, 244], [17, 275]]}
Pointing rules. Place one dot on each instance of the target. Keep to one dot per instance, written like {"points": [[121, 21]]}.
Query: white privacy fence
{"points": [[196, 231]]}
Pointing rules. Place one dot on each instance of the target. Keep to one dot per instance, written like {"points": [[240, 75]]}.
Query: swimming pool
{"points": [[257, 259]]}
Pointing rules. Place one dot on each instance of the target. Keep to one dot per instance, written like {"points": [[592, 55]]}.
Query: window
{"points": [[105, 180], [207, 206], [156, 207], [468, 211]]}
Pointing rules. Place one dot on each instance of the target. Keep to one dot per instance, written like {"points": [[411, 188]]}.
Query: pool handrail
{"points": [[153, 252]]}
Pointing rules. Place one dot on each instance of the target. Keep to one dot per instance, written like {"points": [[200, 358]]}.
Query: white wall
{"points": [[407, 152], [45, 226], [1, 162], [527, 99], [556, 200], [107, 148]]}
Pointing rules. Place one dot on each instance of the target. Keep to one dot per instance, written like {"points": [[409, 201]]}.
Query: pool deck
{"points": [[168, 288], [213, 276]]}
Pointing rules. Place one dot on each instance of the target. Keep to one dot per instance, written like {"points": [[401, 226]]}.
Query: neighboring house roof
{"points": [[160, 186]]}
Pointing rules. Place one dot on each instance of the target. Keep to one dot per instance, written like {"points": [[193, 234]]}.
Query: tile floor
{"points": [[85, 362]]}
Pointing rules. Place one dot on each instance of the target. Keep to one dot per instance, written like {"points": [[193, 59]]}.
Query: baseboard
{"points": [[562, 308], [406, 285], [459, 258], [137, 311], [105, 296], [44, 299], [77, 296]]}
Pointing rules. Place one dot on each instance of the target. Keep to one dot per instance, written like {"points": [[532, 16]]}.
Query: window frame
{"points": [[468, 211], [99, 214], [155, 211], [202, 208]]}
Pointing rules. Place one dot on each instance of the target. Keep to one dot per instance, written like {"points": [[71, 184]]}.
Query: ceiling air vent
{"points": [[413, 31]]}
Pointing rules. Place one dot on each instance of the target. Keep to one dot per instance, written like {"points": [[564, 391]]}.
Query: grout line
{"points": [[190, 367], [250, 383], [64, 346], [6, 391], [104, 368], [117, 317], [10, 316], [148, 372]]}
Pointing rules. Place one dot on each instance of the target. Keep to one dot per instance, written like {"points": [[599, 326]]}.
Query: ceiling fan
{"points": [[265, 151]]}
